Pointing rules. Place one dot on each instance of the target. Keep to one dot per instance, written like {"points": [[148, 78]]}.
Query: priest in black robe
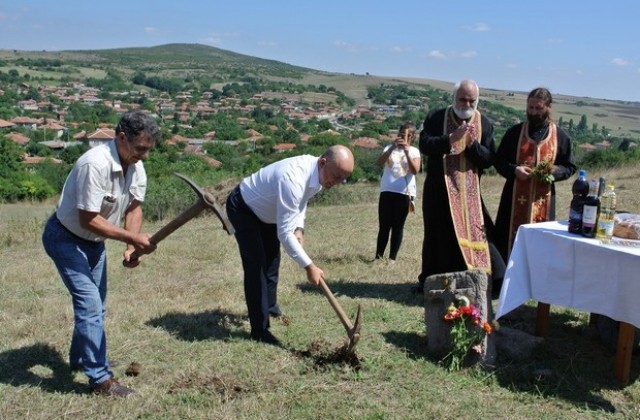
{"points": [[532, 157], [458, 144]]}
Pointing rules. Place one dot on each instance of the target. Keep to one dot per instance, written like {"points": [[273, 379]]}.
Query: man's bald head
{"points": [[335, 165]]}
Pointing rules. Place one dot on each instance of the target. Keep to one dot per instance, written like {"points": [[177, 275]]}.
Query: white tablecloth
{"points": [[553, 266]]}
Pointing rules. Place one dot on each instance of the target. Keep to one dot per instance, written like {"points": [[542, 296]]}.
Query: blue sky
{"points": [[574, 47]]}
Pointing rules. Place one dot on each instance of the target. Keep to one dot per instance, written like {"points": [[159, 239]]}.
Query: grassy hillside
{"points": [[185, 60]]}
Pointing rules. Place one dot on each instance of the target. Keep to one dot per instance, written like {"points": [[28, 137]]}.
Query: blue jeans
{"points": [[82, 265]]}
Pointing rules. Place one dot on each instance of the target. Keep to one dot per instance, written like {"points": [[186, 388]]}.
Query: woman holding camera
{"points": [[400, 162]]}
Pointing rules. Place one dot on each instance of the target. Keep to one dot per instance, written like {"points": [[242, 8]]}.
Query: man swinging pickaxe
{"points": [[205, 201]]}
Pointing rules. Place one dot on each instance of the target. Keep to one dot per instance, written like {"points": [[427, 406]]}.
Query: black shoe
{"points": [[266, 337], [418, 290], [275, 311]]}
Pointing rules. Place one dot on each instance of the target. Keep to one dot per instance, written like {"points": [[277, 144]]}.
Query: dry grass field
{"points": [[182, 317]]}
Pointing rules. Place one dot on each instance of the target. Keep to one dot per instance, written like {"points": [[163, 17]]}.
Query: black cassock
{"points": [[505, 164], [440, 249]]}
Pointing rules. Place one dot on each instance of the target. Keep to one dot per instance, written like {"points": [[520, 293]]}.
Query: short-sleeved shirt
{"points": [[396, 176], [98, 184]]}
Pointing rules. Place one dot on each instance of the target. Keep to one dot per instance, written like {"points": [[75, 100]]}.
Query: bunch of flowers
{"points": [[542, 172], [467, 332]]}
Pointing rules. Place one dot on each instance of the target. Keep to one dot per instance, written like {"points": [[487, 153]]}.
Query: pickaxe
{"points": [[353, 330], [205, 201]]}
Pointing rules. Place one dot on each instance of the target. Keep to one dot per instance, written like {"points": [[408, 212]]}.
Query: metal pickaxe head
{"points": [[354, 334], [210, 202]]}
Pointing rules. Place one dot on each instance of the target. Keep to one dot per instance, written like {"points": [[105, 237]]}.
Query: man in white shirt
{"points": [[268, 209], [106, 184]]}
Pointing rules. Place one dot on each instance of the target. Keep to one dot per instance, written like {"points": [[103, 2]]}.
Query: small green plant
{"points": [[542, 172]]}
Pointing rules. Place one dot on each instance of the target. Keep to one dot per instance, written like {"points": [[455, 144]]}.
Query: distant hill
{"points": [[622, 118]]}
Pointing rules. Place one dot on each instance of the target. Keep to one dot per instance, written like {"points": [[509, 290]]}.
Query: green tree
{"points": [[10, 158], [582, 125], [72, 153], [324, 125]]}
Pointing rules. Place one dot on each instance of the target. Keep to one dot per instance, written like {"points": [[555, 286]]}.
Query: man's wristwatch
{"points": [[299, 229]]}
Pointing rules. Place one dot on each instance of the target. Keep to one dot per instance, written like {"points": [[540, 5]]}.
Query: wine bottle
{"points": [[590, 211], [580, 191]]}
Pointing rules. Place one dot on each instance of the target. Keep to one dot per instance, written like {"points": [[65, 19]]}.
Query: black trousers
{"points": [[260, 253], [393, 209]]}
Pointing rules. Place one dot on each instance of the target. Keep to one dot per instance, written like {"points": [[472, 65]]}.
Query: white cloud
{"points": [[441, 55], [511, 66], [437, 54], [480, 27], [218, 37], [619, 62], [151, 30], [400, 49], [212, 40], [343, 45], [267, 44]]}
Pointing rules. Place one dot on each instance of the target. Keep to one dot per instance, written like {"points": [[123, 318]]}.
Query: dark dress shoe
{"points": [[275, 311], [111, 388], [266, 337]]}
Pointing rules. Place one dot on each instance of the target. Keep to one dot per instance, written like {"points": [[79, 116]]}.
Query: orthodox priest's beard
{"points": [[537, 120], [464, 113]]}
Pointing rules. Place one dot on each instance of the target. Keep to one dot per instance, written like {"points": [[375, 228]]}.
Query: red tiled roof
{"points": [[38, 159], [18, 138], [103, 134], [53, 125], [281, 147], [366, 142], [5, 124], [24, 120]]}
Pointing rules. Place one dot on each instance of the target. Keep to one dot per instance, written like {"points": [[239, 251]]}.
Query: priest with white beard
{"points": [[458, 144]]}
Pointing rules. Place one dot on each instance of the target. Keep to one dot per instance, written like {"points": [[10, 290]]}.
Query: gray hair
{"points": [[135, 123], [458, 85]]}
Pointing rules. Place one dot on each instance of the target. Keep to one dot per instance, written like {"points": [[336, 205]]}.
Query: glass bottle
{"points": [[590, 211], [580, 191], [607, 213]]}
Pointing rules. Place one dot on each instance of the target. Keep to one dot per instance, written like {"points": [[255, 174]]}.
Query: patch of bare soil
{"points": [[133, 369], [227, 389], [324, 355]]}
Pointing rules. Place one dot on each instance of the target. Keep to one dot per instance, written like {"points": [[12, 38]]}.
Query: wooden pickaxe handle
{"points": [[172, 226], [205, 201], [336, 307]]}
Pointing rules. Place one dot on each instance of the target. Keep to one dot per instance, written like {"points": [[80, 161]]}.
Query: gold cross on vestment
{"points": [[522, 200]]}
